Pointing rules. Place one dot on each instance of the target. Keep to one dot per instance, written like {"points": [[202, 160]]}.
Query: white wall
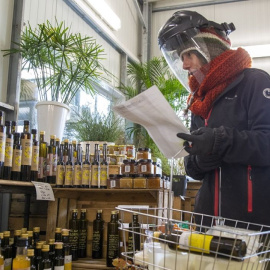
{"points": [[6, 11], [251, 19]]}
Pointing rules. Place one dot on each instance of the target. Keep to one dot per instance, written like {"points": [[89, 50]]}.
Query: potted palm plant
{"points": [[62, 63]]}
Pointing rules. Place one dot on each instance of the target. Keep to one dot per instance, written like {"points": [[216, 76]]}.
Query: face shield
{"points": [[188, 54]]}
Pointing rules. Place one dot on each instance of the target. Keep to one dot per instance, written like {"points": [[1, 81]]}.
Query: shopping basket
{"points": [[187, 243]]}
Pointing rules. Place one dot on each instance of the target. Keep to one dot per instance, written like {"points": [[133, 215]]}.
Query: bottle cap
{"points": [[24, 235], [74, 210], [26, 122], [83, 210], [36, 229], [39, 245], [51, 241], [30, 252], [58, 245], [65, 232], [6, 233], [58, 230], [99, 211], [17, 232], [46, 248], [33, 131], [52, 136], [24, 230], [30, 233]]}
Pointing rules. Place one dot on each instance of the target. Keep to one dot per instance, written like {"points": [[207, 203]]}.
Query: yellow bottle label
{"points": [[95, 174], [26, 151], [103, 175], [1, 262], [60, 174], [68, 262], [17, 160], [68, 175], [35, 157], [8, 152], [77, 175], [2, 146], [86, 174]]}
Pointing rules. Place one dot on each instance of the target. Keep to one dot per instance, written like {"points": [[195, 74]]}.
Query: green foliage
{"points": [[89, 126], [141, 77], [62, 62]]}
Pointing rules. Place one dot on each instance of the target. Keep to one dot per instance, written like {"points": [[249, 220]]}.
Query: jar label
{"points": [[26, 151], [112, 183], [8, 152], [2, 146], [34, 162], [17, 160], [127, 168], [143, 168]]}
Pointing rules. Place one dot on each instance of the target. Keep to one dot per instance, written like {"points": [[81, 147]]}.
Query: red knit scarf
{"points": [[222, 71]]}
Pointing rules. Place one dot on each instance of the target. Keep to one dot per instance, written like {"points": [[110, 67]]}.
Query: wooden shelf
{"points": [[6, 106], [89, 263], [10, 186]]}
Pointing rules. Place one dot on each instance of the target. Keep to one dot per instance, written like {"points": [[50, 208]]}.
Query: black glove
{"points": [[202, 141], [207, 163]]}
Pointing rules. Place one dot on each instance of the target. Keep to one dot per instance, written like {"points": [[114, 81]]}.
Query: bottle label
{"points": [[112, 183], [49, 167], [60, 174], [59, 267], [195, 242], [41, 165], [127, 168], [54, 165], [17, 160], [2, 267], [68, 260], [95, 175], [73, 239], [96, 241], [77, 175], [35, 157], [2, 146], [7, 264], [26, 151], [85, 174], [103, 175], [82, 239], [8, 152], [113, 246], [46, 268], [68, 175]]}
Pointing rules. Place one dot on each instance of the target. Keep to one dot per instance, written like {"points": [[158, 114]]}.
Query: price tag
{"points": [[44, 191]]}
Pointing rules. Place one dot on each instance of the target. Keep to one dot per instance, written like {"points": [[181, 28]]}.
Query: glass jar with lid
{"points": [[153, 181], [143, 153], [128, 166], [111, 159], [139, 181], [120, 159], [122, 149], [126, 181], [145, 166], [130, 151], [114, 181]]}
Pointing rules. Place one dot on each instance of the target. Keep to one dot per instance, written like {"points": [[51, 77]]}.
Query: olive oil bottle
{"points": [[8, 151], [17, 234], [113, 246], [69, 169], [98, 233], [21, 261], [60, 169], [66, 250], [134, 243], [16, 158], [74, 234], [31, 256], [38, 255], [58, 262], [36, 233], [104, 168], [52, 250], [42, 157], [7, 250], [95, 169], [86, 168], [2, 144], [26, 141], [35, 156], [83, 223], [46, 263], [78, 169]]}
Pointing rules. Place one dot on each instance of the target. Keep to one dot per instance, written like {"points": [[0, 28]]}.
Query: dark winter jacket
{"points": [[241, 116]]}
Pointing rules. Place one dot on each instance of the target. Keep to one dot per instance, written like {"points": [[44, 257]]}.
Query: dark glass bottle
{"points": [[16, 158], [78, 169], [86, 168], [58, 235], [26, 141], [60, 169], [30, 239], [42, 157], [2, 144], [35, 156], [82, 234], [134, 243], [51, 161], [69, 169], [36, 232], [98, 233], [46, 263], [8, 151], [95, 169], [216, 245], [65, 153], [58, 262], [52, 250], [104, 168], [113, 246], [17, 234], [7, 250], [38, 256], [31, 256], [74, 234], [13, 127], [66, 250]]}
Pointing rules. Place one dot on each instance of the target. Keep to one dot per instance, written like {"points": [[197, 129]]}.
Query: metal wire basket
{"points": [[192, 241]]}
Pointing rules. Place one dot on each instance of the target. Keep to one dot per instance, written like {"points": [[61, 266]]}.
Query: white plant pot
{"points": [[51, 118]]}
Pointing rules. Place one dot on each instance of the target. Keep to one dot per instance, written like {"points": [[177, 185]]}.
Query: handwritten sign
{"points": [[44, 191]]}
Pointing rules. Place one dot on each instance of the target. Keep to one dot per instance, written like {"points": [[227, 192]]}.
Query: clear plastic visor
{"points": [[185, 56]]}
